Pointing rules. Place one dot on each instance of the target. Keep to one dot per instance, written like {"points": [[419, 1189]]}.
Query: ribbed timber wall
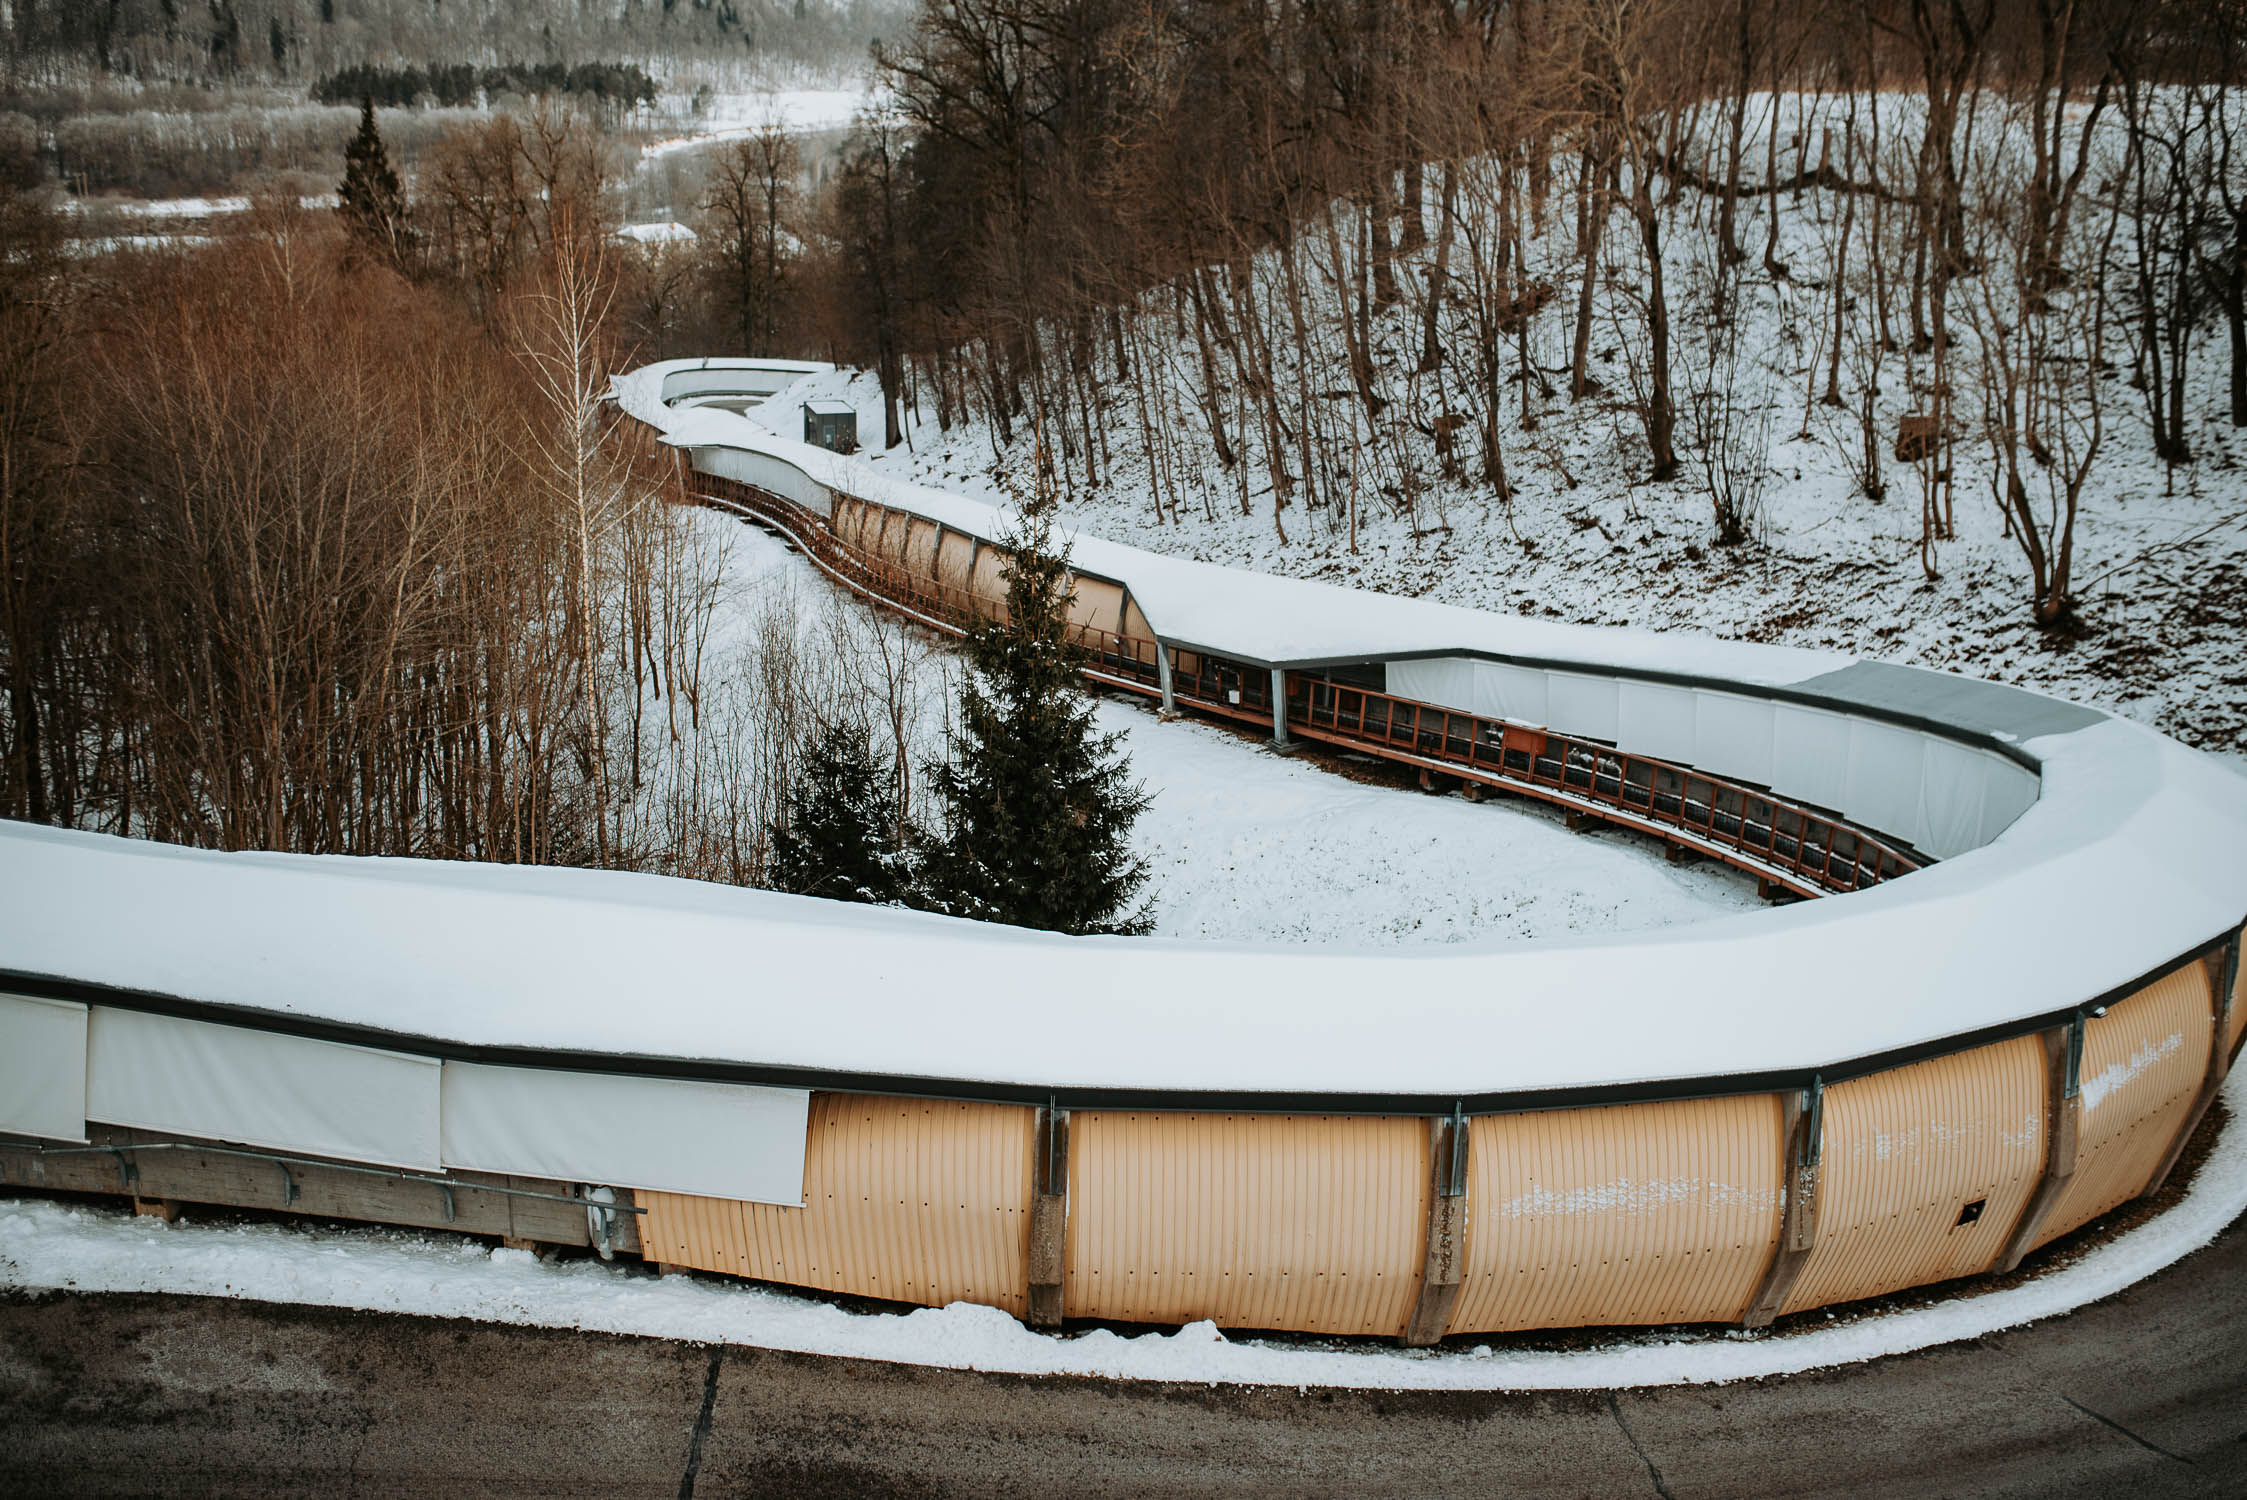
{"points": [[1911, 1152], [2142, 1063], [913, 1200], [1641, 1213], [1311, 1222]]}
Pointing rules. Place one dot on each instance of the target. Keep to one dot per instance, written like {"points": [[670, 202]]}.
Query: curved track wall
{"points": [[1729, 1208], [1640, 1200]]}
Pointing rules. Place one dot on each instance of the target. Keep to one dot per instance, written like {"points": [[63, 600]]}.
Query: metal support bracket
{"points": [[1802, 1133], [2063, 1126], [1049, 1215], [1443, 1266]]}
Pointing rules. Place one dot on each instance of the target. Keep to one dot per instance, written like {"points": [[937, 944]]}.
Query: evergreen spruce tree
{"points": [[1038, 805], [372, 202], [834, 837]]}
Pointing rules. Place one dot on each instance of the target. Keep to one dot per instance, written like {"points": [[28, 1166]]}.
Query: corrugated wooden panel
{"points": [[913, 1200], [1637, 1213], [920, 549], [850, 521], [1095, 605], [1135, 623], [1308, 1222], [1906, 1151], [952, 557], [891, 538], [2142, 1063], [990, 581]]}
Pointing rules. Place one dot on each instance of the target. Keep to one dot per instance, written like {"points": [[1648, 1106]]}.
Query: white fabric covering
{"points": [[42, 1068], [1886, 766], [1657, 720], [260, 1088], [1810, 757], [1585, 706], [1733, 736], [719, 1140], [768, 474], [1449, 680], [1517, 693], [2009, 791]]}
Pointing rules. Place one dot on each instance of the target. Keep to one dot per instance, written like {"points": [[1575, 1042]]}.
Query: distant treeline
{"points": [[214, 43], [620, 84]]}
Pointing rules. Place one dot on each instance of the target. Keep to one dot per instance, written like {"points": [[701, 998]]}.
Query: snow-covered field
{"points": [[732, 116], [47, 1245], [1247, 846]]}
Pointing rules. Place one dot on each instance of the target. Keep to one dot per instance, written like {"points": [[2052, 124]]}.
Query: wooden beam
{"points": [[201, 1172], [1049, 1217], [1802, 1131], [1444, 1266], [2223, 977], [2063, 1130]]}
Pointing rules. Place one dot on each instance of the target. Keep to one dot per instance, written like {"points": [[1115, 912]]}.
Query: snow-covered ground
{"points": [[732, 116], [57, 1246], [1281, 851]]}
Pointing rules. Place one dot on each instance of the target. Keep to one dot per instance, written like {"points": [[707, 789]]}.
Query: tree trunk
{"points": [[1431, 349]]}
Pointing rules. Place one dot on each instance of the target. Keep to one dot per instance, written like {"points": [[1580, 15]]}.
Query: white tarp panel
{"points": [[765, 473], [2008, 791], [1657, 720], [1886, 766], [1583, 705], [42, 1068], [259, 1088], [1732, 735], [1810, 755], [1508, 692], [1953, 784], [1448, 680], [718, 1140]]}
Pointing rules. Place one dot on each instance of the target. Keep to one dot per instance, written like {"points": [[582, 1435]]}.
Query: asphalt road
{"points": [[2142, 1396]]}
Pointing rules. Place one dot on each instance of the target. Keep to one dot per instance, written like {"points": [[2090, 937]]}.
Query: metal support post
{"points": [[1049, 1215], [1443, 1266]]}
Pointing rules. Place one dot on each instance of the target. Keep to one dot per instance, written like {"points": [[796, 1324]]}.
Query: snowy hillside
{"points": [[2161, 551]]}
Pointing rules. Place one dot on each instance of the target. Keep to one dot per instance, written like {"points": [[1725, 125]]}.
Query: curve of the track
{"points": [[2144, 1394]]}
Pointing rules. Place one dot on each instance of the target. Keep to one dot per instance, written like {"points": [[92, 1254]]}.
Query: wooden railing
{"points": [[1727, 817], [1794, 848]]}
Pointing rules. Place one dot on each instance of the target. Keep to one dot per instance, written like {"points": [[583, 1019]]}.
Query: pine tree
{"points": [[834, 837], [1038, 805], [372, 202]]}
